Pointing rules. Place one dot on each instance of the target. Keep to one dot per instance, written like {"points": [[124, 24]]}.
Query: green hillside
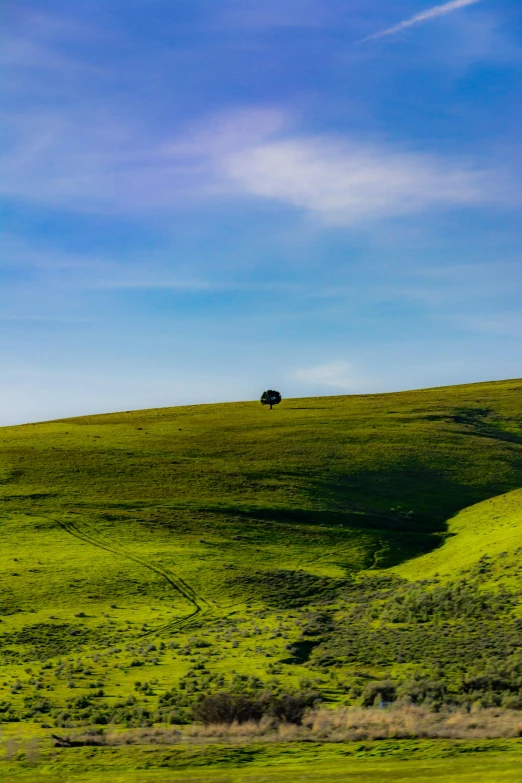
{"points": [[489, 531], [322, 545]]}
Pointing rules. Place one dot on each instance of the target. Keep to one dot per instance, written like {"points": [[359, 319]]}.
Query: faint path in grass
{"points": [[200, 606], [380, 548], [377, 554]]}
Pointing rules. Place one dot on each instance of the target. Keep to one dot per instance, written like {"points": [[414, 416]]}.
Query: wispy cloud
{"points": [[97, 272], [157, 283], [425, 16], [43, 42], [20, 254], [340, 180], [121, 164], [508, 324], [346, 181]]}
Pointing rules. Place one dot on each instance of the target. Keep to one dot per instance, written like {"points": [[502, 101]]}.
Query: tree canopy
{"points": [[271, 397]]}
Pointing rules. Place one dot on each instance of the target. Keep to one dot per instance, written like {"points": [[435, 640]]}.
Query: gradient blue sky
{"points": [[206, 198]]}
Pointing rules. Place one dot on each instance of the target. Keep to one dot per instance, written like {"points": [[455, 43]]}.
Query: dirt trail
{"points": [[200, 606]]}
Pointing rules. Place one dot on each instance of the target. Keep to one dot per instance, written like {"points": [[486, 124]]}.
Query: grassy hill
{"points": [[332, 543], [488, 532]]}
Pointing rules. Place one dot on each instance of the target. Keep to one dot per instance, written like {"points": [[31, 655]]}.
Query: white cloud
{"points": [[424, 16], [59, 159], [88, 158], [348, 181], [337, 375]]}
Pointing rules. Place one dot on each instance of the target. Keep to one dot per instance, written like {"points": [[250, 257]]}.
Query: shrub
{"points": [[429, 691], [290, 708], [385, 690], [239, 708], [227, 708], [414, 604]]}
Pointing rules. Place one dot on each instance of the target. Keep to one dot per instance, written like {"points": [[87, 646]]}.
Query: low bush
{"points": [[230, 707], [415, 604], [385, 691]]}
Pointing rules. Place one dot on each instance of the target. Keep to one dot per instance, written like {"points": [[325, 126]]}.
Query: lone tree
{"points": [[271, 398]]}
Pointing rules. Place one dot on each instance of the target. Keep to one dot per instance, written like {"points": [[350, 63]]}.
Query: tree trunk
{"points": [[270, 406]]}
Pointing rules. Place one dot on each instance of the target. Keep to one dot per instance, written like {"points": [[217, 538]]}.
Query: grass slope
{"points": [[491, 530], [149, 557]]}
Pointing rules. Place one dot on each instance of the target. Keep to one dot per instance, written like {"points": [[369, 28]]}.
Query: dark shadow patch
{"points": [[355, 520], [48, 638], [12, 476], [31, 496], [470, 415], [391, 538], [289, 589], [476, 418], [300, 651]]}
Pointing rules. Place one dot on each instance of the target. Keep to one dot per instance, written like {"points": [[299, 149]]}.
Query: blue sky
{"points": [[202, 199]]}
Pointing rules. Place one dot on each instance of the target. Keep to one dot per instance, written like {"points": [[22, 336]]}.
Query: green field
{"points": [[148, 558], [414, 762]]}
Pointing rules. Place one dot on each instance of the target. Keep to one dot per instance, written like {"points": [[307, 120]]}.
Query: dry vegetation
{"points": [[324, 725]]}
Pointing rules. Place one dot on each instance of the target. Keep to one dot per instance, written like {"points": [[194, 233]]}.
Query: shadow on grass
{"points": [[389, 539]]}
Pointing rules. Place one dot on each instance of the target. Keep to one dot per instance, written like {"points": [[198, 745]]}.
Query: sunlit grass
{"points": [[114, 529]]}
